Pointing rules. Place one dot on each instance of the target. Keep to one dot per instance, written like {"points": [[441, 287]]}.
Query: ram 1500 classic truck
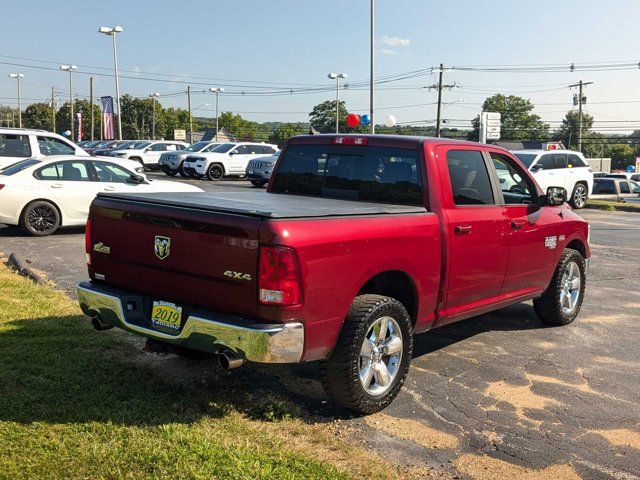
{"points": [[359, 243]]}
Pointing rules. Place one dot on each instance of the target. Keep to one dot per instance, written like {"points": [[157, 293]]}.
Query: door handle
{"points": [[56, 185], [109, 189], [518, 224], [462, 229]]}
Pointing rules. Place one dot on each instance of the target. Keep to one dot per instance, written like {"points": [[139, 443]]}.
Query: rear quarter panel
{"points": [[339, 255]]}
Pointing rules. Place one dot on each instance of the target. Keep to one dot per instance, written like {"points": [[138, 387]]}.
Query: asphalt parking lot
{"points": [[496, 396]]}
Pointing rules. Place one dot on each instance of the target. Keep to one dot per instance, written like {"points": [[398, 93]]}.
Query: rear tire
{"points": [[258, 183], [181, 171], [371, 359], [579, 196], [561, 301], [215, 172], [40, 218]]}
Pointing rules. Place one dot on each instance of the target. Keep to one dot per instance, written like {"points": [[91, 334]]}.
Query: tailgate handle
{"points": [[462, 229], [518, 224]]}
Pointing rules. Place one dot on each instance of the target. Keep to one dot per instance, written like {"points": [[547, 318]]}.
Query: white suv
{"points": [[19, 143], [560, 168], [148, 153], [172, 163], [226, 159]]}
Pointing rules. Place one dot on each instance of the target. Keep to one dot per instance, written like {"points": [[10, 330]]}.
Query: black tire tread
{"points": [[547, 306], [337, 372]]}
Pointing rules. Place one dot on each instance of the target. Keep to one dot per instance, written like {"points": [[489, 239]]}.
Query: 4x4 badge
{"points": [[162, 247]]}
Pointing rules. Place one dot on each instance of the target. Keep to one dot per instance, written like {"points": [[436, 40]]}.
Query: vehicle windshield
{"points": [[526, 158], [124, 146], [196, 147], [138, 145], [372, 174], [224, 148], [18, 167]]}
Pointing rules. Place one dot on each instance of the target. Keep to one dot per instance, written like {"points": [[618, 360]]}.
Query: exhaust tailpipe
{"points": [[100, 325], [229, 360]]}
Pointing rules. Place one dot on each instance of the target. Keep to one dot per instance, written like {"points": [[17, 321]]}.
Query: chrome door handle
{"points": [[56, 185], [109, 189], [462, 229]]}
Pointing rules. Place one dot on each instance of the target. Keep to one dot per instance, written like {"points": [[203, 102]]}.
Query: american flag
{"points": [[79, 122], [108, 130]]}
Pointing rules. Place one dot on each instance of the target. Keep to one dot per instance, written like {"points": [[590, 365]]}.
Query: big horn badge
{"points": [[162, 247]]}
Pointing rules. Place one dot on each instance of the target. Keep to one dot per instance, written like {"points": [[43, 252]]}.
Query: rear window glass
{"points": [[526, 158], [372, 174], [14, 145], [18, 167]]}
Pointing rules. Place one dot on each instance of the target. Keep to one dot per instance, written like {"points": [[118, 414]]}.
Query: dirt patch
{"points": [[622, 437], [489, 468], [607, 319], [520, 396], [412, 430]]}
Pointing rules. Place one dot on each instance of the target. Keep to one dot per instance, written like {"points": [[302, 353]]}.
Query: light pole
{"points": [[113, 31], [372, 94], [70, 69], [337, 77], [18, 76], [217, 91], [153, 121]]}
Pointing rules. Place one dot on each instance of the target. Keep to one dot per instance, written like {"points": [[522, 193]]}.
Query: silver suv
{"points": [[259, 170]]}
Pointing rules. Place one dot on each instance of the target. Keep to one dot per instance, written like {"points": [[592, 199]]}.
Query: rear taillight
{"points": [[88, 240], [279, 276], [1, 186]]}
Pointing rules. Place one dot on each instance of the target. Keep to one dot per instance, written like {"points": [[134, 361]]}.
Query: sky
{"points": [[277, 45]]}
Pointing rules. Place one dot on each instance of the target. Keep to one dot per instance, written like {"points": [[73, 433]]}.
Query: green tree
{"points": [[323, 116], [38, 115], [284, 132], [240, 128], [568, 131], [8, 116], [63, 119], [518, 120], [621, 155], [137, 117]]}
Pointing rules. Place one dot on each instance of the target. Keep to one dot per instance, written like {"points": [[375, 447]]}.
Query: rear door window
{"points": [[574, 161], [624, 187], [14, 145], [373, 174], [470, 183]]}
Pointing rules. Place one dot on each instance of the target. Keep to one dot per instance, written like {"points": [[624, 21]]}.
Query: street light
{"points": [[70, 69], [112, 31], [217, 91], [153, 122], [337, 77], [18, 76]]}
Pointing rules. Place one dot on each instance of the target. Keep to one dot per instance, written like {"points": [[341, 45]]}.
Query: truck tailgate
{"points": [[200, 259]]}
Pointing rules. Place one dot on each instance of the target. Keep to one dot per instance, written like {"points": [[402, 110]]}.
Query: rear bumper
{"points": [[201, 330]]}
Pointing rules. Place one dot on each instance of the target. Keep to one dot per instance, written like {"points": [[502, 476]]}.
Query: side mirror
{"points": [[136, 179], [233, 152], [555, 196], [537, 167]]}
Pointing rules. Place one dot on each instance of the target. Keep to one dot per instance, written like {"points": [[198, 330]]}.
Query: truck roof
{"points": [[265, 205], [382, 140]]}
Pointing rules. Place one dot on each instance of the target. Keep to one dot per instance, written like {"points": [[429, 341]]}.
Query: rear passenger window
{"points": [[604, 187], [48, 173], [624, 187], [73, 171], [14, 145], [470, 182], [574, 161]]}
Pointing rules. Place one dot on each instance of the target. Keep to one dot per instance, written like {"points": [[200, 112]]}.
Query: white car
{"points": [[560, 168], [147, 153], [226, 159], [21, 143], [171, 163], [42, 195]]}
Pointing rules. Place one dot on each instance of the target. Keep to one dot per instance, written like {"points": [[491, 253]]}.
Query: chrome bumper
{"points": [[205, 331]]}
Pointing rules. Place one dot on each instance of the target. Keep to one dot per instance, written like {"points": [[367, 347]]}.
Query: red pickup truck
{"points": [[359, 243]]}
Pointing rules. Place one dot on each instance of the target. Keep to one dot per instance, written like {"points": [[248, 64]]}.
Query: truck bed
{"points": [[266, 205]]}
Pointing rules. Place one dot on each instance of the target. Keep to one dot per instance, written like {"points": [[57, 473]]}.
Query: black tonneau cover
{"points": [[266, 205]]}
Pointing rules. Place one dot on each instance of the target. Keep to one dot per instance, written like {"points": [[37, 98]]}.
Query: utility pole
{"points": [[190, 117], [53, 110], [91, 105], [440, 86], [581, 100], [372, 70]]}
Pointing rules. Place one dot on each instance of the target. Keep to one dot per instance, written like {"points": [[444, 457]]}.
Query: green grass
{"points": [[613, 206], [74, 403]]}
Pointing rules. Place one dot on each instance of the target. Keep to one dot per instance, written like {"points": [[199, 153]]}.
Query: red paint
{"points": [[461, 260]]}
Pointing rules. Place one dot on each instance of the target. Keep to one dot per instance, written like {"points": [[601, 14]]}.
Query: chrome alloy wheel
{"points": [[580, 196], [42, 218], [570, 287], [380, 356]]}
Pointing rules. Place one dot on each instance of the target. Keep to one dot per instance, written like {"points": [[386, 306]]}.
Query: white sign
{"points": [[490, 124], [493, 135], [492, 115], [179, 134]]}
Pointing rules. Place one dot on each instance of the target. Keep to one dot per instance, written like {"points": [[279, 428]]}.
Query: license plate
{"points": [[166, 314], [250, 172]]}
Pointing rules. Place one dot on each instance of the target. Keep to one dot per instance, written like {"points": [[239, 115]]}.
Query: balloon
{"points": [[353, 120], [67, 133], [631, 168], [365, 120], [390, 121]]}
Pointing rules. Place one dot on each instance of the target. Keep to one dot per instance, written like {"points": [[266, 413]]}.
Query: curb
{"points": [[21, 267]]}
